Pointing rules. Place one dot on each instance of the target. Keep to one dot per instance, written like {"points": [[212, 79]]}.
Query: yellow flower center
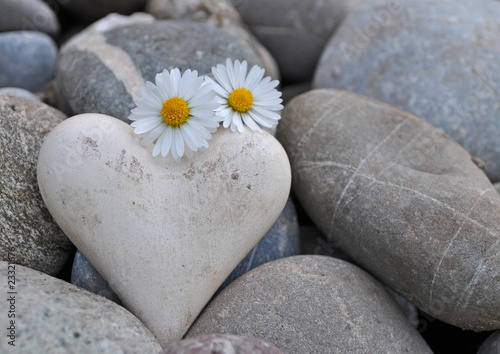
{"points": [[241, 100], [175, 111]]}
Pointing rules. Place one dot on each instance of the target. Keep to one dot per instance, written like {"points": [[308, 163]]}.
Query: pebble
{"points": [[491, 345], [22, 15], [19, 92], [89, 11], [222, 344], [108, 194], [403, 199], [294, 31], [53, 316], [112, 65], [446, 72], [27, 59], [311, 304], [26, 226]]}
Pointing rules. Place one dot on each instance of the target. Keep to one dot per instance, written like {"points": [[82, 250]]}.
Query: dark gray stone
{"points": [[294, 31], [222, 344], [92, 10], [27, 59], [25, 223], [447, 72], [85, 276], [290, 91], [90, 85], [53, 316], [403, 199], [311, 304], [19, 92], [22, 15], [491, 345]]}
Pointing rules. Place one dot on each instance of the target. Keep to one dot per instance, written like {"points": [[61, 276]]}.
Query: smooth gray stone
{"points": [[403, 199], [102, 83], [311, 304], [25, 223], [221, 344], [52, 316], [27, 59], [92, 10], [446, 72], [19, 92], [22, 15], [491, 345], [294, 31]]}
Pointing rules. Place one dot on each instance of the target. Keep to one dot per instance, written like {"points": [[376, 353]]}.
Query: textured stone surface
{"points": [[446, 72], [218, 13], [402, 199], [491, 345], [164, 234], [294, 31], [22, 15], [27, 59], [311, 304], [103, 73], [25, 223], [18, 92], [85, 276], [52, 316], [222, 344], [91, 10]]}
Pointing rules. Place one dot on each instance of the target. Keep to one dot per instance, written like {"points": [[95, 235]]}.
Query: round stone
{"points": [[33, 15], [18, 92], [25, 223], [491, 345]]}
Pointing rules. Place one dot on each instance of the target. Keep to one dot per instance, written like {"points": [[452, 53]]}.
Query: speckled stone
{"points": [[22, 15], [27, 59], [19, 92], [85, 276], [222, 344], [25, 223], [92, 10], [403, 199], [311, 304], [446, 72], [52, 316], [491, 345], [294, 31], [113, 64]]}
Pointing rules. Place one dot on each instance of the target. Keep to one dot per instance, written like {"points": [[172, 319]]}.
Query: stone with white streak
{"points": [[164, 234]]}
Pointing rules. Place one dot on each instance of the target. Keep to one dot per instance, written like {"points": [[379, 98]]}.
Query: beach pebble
{"points": [[491, 345], [19, 92], [23, 15]]}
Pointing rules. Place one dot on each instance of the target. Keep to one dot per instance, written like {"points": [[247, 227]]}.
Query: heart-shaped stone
{"points": [[164, 234]]}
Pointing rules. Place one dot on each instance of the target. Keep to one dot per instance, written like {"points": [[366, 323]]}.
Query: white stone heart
{"points": [[164, 234]]}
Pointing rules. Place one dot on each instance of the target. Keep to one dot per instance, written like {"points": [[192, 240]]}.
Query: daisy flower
{"points": [[177, 113], [246, 98]]}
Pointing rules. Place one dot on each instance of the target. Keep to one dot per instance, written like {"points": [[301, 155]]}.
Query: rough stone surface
{"points": [[294, 31], [218, 13], [25, 223], [311, 304], [491, 345], [53, 316], [85, 276], [403, 199], [103, 72], [18, 92], [27, 59], [222, 344], [92, 10], [22, 15], [164, 234], [446, 72]]}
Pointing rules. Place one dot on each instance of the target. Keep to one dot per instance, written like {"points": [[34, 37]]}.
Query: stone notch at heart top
{"points": [[164, 234]]}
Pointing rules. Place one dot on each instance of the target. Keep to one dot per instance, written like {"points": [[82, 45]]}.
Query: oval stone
{"points": [[113, 64], [403, 199], [25, 223], [33, 15], [311, 304], [52, 316], [446, 72], [164, 234], [491, 345]]}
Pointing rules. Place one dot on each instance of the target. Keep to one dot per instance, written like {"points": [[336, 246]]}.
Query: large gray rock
{"points": [[27, 59], [403, 199], [491, 345], [311, 304], [92, 10], [103, 71], [52, 316], [447, 72], [294, 31], [25, 222], [22, 15]]}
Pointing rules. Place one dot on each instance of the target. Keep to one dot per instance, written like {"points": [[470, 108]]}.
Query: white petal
{"points": [[147, 125], [254, 76], [153, 135], [167, 142], [220, 74], [231, 75], [175, 76], [189, 137], [251, 123], [178, 142], [266, 113], [159, 142], [242, 74]]}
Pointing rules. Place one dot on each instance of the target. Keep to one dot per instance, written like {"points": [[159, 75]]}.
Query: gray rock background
{"points": [[22, 15]]}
